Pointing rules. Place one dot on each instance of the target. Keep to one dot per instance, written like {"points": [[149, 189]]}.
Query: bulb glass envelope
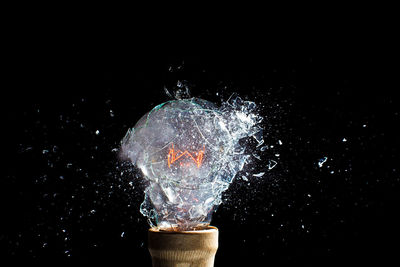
{"points": [[188, 151]]}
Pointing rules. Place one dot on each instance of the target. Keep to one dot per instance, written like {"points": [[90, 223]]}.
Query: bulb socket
{"points": [[183, 248]]}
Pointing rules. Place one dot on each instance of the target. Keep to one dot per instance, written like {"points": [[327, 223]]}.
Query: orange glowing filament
{"points": [[174, 156]]}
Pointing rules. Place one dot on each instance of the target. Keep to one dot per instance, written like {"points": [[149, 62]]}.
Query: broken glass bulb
{"points": [[188, 151]]}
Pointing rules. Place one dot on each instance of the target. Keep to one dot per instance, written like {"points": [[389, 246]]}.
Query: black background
{"points": [[66, 198]]}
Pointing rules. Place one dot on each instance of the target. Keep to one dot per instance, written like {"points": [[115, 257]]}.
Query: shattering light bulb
{"points": [[188, 151]]}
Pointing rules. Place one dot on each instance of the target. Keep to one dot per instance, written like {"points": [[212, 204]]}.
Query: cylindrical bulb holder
{"points": [[183, 248]]}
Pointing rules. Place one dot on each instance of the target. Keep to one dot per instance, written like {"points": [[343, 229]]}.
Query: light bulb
{"points": [[188, 151]]}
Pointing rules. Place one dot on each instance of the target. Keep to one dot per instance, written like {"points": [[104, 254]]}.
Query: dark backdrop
{"points": [[66, 198]]}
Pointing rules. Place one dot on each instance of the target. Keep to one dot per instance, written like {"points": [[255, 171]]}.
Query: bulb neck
{"points": [[185, 248]]}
